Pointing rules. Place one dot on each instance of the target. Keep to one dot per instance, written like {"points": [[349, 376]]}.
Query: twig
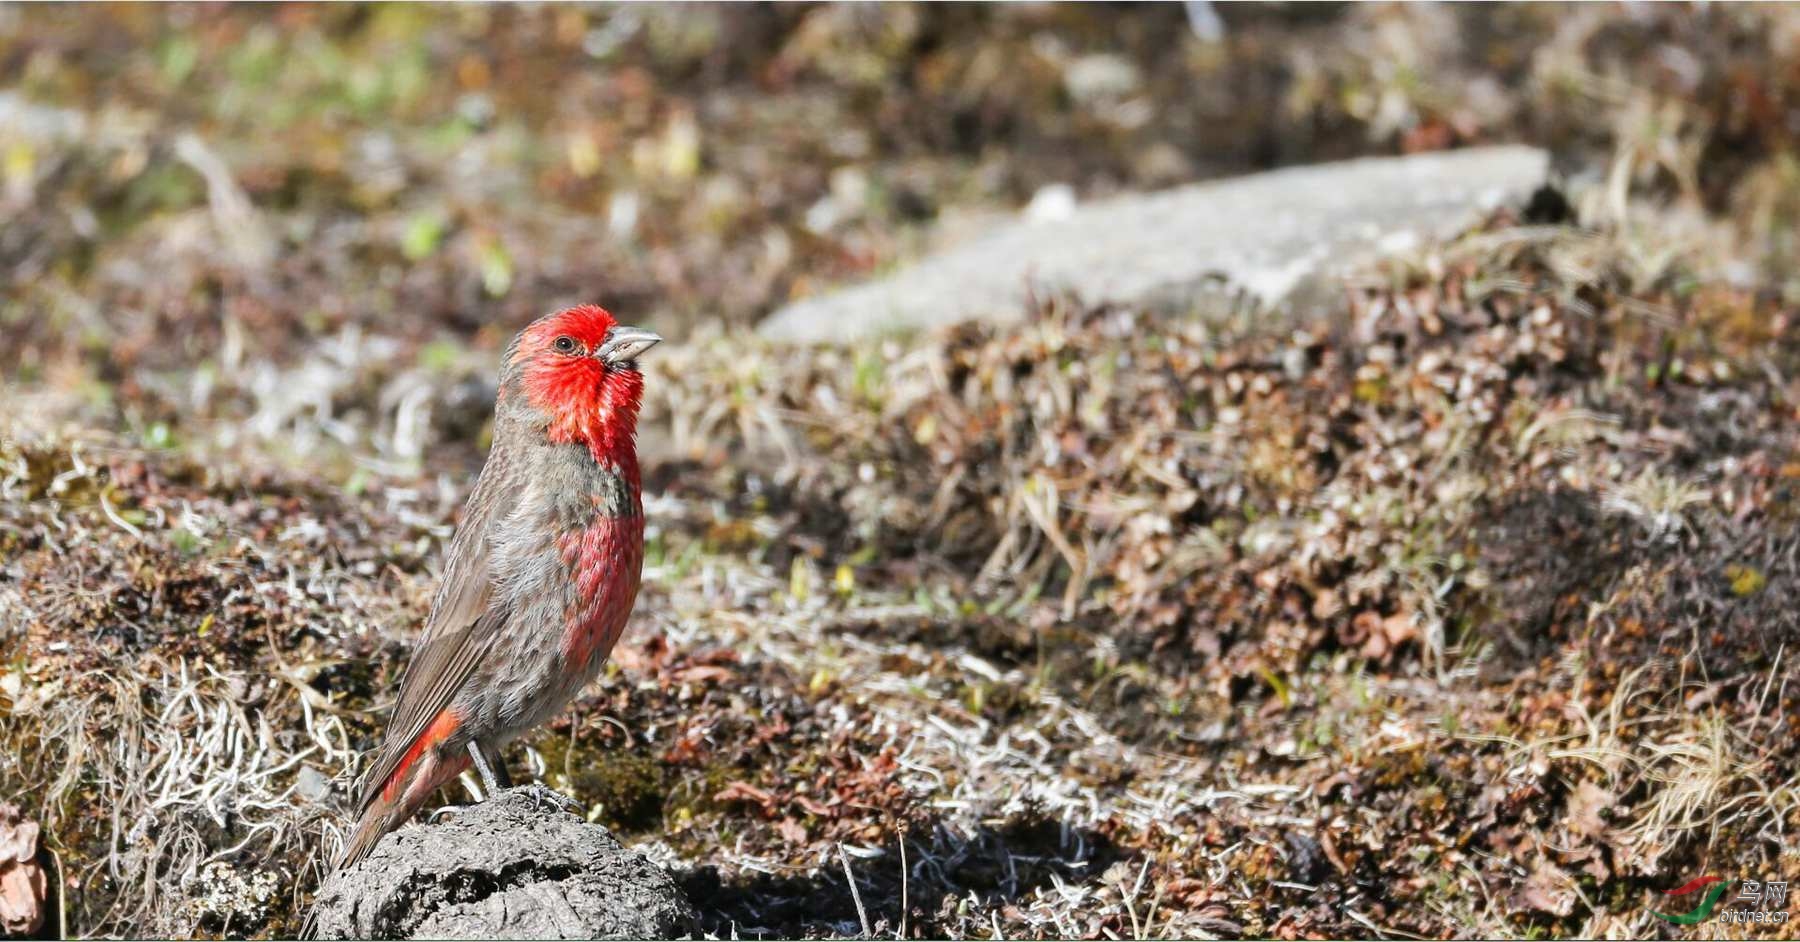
{"points": [[856, 895], [121, 522], [903, 875]]}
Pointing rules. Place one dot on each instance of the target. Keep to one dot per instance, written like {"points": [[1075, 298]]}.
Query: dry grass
{"points": [[1020, 641], [1462, 610]]}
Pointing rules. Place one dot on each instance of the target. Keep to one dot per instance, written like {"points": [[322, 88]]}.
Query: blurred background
{"points": [[223, 188], [1110, 624]]}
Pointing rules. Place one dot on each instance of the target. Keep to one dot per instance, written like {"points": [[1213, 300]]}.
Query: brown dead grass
{"points": [[1482, 635], [1462, 610]]}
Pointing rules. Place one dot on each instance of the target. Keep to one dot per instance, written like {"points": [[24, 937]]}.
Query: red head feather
{"points": [[579, 368]]}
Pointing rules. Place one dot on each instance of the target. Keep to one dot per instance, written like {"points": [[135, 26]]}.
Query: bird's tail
{"points": [[398, 798], [380, 818], [377, 820], [389, 807]]}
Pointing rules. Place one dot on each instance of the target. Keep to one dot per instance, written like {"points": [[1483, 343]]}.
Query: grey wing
{"points": [[467, 615]]}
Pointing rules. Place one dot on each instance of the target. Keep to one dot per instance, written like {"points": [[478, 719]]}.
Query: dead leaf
{"points": [[23, 887], [1547, 891], [813, 807], [1328, 844], [1592, 862], [700, 673], [740, 790], [1584, 809]]}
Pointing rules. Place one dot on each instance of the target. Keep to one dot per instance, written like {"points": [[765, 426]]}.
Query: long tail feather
{"points": [[380, 818], [388, 804], [377, 820]]}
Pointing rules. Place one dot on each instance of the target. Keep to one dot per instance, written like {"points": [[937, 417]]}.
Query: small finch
{"points": [[540, 576]]}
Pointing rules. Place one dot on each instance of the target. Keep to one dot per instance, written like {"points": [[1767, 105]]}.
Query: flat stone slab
{"points": [[1269, 234]]}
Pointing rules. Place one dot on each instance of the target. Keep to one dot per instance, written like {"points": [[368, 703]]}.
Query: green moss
{"points": [[621, 789]]}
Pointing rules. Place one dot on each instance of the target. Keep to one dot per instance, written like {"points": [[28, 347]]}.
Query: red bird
{"points": [[542, 572]]}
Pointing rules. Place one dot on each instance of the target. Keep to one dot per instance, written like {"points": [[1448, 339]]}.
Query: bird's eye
{"points": [[565, 345]]}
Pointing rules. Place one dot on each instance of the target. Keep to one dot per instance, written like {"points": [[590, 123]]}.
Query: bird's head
{"points": [[576, 371]]}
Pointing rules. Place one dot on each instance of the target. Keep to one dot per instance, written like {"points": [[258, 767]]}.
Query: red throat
{"points": [[585, 401]]}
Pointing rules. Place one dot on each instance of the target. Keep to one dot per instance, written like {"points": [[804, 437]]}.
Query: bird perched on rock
{"points": [[540, 576]]}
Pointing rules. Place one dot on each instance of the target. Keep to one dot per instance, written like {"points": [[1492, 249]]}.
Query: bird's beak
{"points": [[625, 344]]}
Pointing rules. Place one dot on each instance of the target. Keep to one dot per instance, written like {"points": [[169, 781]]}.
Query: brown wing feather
{"points": [[466, 616]]}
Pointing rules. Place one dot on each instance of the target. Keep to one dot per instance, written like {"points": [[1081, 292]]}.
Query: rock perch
{"points": [[520, 866]]}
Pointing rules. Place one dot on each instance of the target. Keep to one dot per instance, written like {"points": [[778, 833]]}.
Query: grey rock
{"points": [[1271, 236], [519, 866]]}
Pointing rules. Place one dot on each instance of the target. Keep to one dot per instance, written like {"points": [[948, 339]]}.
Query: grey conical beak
{"points": [[625, 344]]}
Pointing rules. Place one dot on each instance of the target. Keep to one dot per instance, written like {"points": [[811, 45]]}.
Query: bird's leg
{"points": [[491, 768]]}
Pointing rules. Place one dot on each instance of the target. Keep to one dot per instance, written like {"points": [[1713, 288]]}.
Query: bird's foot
{"points": [[542, 795]]}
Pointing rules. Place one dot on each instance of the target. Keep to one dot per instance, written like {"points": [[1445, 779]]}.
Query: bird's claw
{"points": [[542, 795]]}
